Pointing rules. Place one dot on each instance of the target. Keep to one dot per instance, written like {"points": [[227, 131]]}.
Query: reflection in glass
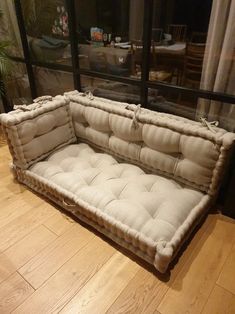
{"points": [[111, 90], [172, 102], [17, 86], [178, 55], [106, 30], [9, 30], [46, 24], [50, 82]]}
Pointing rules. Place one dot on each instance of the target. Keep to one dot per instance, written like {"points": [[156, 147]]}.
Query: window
{"points": [[105, 31], [17, 85], [165, 54], [46, 24], [110, 89]]}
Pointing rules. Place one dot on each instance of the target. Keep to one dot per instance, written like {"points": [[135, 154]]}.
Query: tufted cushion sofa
{"points": [[142, 178]]}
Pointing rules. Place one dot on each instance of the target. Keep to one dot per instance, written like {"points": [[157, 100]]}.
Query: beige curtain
{"points": [[218, 73], [136, 19], [9, 28]]}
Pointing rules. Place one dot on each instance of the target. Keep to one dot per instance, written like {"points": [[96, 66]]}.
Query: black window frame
{"points": [[144, 83]]}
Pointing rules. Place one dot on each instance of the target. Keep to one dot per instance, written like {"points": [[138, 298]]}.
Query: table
{"points": [[172, 56]]}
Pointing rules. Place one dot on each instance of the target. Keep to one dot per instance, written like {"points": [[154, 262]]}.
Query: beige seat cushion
{"points": [[150, 204]]}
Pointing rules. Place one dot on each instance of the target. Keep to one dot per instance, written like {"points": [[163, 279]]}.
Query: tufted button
{"points": [[148, 203]]}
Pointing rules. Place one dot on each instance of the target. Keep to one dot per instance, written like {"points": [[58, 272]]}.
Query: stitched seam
{"points": [[155, 170], [211, 137]]}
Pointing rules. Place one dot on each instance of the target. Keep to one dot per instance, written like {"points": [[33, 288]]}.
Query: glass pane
{"points": [[46, 24], [17, 85], [109, 35], [192, 107], [179, 37], [51, 82], [172, 102], [212, 110], [111, 90], [9, 30]]}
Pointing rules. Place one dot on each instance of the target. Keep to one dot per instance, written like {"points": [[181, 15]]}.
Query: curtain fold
{"points": [[136, 19], [9, 29], [218, 73]]}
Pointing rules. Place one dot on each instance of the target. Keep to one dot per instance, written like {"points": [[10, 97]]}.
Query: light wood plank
{"points": [[6, 267], [227, 276], [66, 282], [13, 292], [22, 251], [49, 260], [142, 295], [11, 185], [59, 223], [192, 286], [23, 225], [16, 205], [4, 169], [146, 290], [192, 279], [105, 286], [220, 302]]}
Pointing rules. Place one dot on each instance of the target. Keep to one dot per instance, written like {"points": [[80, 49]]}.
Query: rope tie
{"points": [[43, 99], [137, 110], [38, 102], [21, 108], [67, 204], [209, 125], [135, 117], [88, 94]]}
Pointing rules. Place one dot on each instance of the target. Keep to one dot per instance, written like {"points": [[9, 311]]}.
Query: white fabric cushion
{"points": [[150, 204], [34, 131], [178, 148]]}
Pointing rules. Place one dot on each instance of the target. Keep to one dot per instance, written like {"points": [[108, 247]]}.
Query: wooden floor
{"points": [[51, 264]]}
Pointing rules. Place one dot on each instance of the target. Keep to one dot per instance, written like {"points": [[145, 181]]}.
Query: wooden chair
{"points": [[178, 32], [157, 35], [193, 64], [198, 37]]}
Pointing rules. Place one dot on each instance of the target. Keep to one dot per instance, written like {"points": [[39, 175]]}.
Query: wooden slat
{"points": [[66, 282], [13, 292], [227, 276], [59, 223], [220, 302], [49, 260], [4, 170], [23, 225], [98, 294], [22, 251], [142, 295], [146, 290], [14, 206], [6, 267], [193, 284], [11, 185], [92, 278]]}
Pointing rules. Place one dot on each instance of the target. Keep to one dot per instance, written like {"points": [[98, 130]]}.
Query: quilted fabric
{"points": [[34, 131], [121, 190], [145, 183], [168, 145]]}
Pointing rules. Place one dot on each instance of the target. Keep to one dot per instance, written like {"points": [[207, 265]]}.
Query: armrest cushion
{"points": [[34, 131]]}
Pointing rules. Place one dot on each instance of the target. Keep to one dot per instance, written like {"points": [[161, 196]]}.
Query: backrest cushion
{"points": [[169, 145], [34, 131]]}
